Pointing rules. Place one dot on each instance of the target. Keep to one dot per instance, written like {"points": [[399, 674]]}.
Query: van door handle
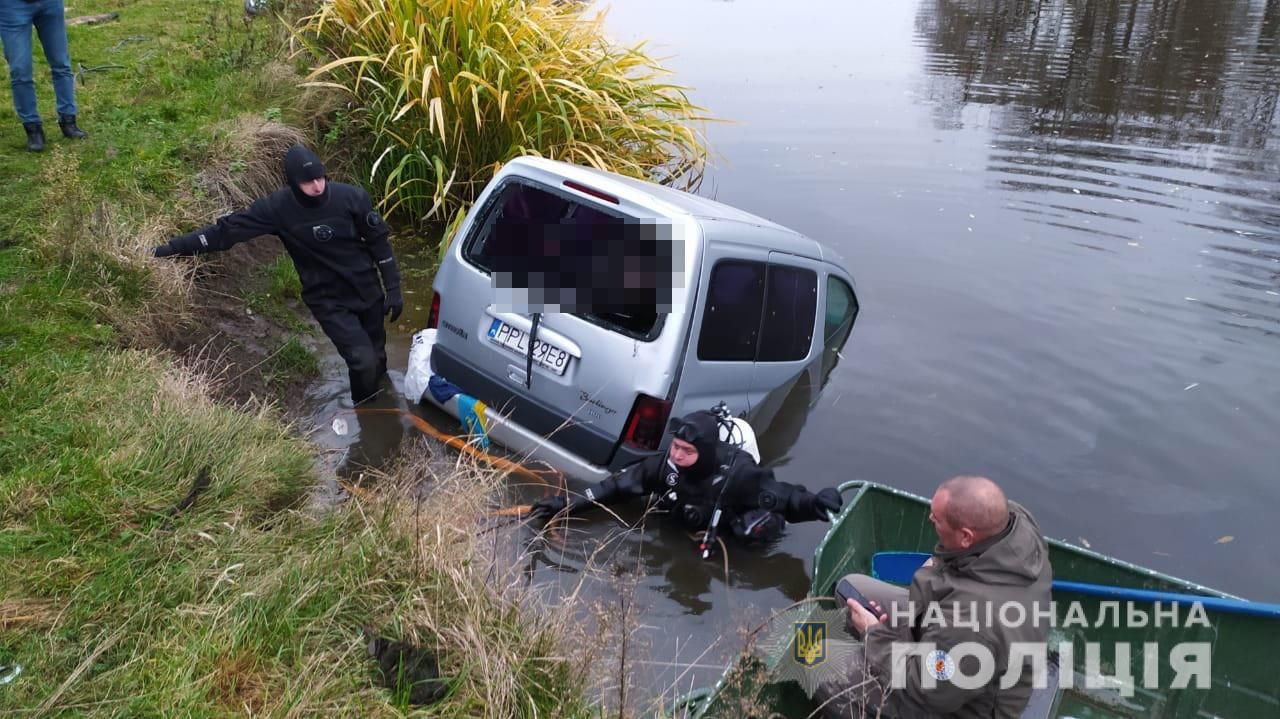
{"points": [[515, 374]]}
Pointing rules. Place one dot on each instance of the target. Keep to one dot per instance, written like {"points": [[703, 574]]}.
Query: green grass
{"points": [[293, 359], [185, 66], [113, 601], [280, 299], [284, 279]]}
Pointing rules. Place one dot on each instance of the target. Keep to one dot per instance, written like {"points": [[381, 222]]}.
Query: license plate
{"points": [[545, 354]]}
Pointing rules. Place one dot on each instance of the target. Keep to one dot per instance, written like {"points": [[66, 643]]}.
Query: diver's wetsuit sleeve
{"points": [[634, 481], [793, 501], [377, 235], [230, 230]]}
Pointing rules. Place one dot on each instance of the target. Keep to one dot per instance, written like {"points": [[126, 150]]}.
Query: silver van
{"points": [[757, 316]]}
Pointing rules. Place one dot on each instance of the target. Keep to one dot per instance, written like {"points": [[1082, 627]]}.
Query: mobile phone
{"points": [[845, 591]]}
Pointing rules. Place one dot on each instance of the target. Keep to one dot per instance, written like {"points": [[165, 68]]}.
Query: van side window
{"points": [[563, 251], [731, 320], [842, 308], [791, 304]]}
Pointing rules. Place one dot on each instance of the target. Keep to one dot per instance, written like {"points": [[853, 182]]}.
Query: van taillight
{"points": [[433, 319], [647, 422]]}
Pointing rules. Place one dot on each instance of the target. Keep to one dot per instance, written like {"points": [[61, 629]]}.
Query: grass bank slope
{"points": [[153, 557]]}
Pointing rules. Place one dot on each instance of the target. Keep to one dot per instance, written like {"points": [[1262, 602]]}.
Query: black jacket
{"points": [[339, 244]]}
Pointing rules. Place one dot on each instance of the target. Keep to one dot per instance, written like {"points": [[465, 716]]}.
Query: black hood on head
{"points": [[300, 165], [705, 430]]}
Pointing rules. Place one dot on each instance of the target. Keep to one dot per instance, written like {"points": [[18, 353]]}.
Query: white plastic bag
{"points": [[418, 372]]}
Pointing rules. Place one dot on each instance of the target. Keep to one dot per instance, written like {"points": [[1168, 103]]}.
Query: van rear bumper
{"points": [[525, 443], [529, 446]]}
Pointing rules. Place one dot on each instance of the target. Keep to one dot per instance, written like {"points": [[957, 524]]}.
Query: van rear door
{"points": [[602, 364]]}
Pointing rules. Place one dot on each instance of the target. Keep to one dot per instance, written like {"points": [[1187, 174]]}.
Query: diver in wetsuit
{"points": [[700, 475]]}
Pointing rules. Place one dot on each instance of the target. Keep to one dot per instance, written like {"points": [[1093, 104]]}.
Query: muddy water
{"points": [[1064, 220]]}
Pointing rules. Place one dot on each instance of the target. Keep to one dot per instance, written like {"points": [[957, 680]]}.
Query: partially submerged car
{"points": [[720, 306]]}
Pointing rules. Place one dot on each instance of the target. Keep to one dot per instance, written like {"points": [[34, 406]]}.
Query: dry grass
{"points": [[27, 613], [493, 633], [245, 161]]}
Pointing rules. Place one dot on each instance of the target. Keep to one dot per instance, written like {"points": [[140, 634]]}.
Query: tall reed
{"points": [[447, 91]]}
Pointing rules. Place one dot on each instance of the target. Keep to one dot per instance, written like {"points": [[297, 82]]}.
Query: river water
{"points": [[1064, 222]]}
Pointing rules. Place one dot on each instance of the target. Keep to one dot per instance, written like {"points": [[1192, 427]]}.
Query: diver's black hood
{"points": [[707, 442], [300, 165]]}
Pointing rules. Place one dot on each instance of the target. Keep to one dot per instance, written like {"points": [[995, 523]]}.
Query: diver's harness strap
{"points": [[723, 419]]}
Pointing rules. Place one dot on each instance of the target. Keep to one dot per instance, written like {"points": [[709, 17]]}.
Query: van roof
{"points": [[701, 208]]}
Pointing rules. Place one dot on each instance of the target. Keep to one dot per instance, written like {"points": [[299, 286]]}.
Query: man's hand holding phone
{"points": [[862, 611]]}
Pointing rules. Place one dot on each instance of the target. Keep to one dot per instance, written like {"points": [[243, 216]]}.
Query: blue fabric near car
{"points": [[442, 389], [471, 412]]}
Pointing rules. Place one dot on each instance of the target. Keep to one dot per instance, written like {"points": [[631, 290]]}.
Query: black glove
{"points": [[828, 500], [165, 250], [547, 507], [395, 304]]}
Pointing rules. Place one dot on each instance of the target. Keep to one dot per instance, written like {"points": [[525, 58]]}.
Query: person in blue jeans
{"points": [[48, 18]]}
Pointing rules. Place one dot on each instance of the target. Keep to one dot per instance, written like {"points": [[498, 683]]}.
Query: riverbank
{"points": [[158, 558]]}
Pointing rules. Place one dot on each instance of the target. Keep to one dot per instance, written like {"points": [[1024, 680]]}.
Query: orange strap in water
{"points": [[462, 445]]}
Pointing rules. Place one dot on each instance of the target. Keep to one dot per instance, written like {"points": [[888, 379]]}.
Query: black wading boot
{"points": [[69, 129], [35, 136]]}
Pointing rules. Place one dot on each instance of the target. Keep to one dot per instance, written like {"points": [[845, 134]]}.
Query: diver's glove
{"points": [[827, 500], [548, 507]]}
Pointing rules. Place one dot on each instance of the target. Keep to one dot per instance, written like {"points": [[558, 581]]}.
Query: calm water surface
{"points": [[1064, 221]]}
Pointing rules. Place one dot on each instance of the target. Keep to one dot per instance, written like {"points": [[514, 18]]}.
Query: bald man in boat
{"points": [[990, 553]]}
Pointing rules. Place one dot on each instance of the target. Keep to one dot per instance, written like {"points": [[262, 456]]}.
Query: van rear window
{"points": [[566, 256]]}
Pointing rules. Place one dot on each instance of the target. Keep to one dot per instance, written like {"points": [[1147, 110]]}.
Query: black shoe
{"points": [[69, 129], [35, 136]]}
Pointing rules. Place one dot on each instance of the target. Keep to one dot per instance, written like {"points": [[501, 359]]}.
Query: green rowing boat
{"points": [[1242, 671]]}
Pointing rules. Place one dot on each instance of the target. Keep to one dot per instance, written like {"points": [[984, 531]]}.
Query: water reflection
{"points": [[1159, 72], [1126, 123]]}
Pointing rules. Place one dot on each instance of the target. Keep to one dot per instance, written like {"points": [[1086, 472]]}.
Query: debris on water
{"points": [[1225, 539], [1075, 190], [1134, 244], [1190, 299], [1273, 292], [1193, 385], [1085, 542], [340, 426]]}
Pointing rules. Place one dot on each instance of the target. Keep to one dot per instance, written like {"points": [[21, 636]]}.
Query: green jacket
{"points": [[969, 589]]}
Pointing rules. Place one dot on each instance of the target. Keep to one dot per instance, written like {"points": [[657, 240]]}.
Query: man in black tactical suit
{"points": [[339, 245], [700, 474]]}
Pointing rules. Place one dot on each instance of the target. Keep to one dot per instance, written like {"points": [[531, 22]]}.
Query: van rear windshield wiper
{"points": [[528, 359]]}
